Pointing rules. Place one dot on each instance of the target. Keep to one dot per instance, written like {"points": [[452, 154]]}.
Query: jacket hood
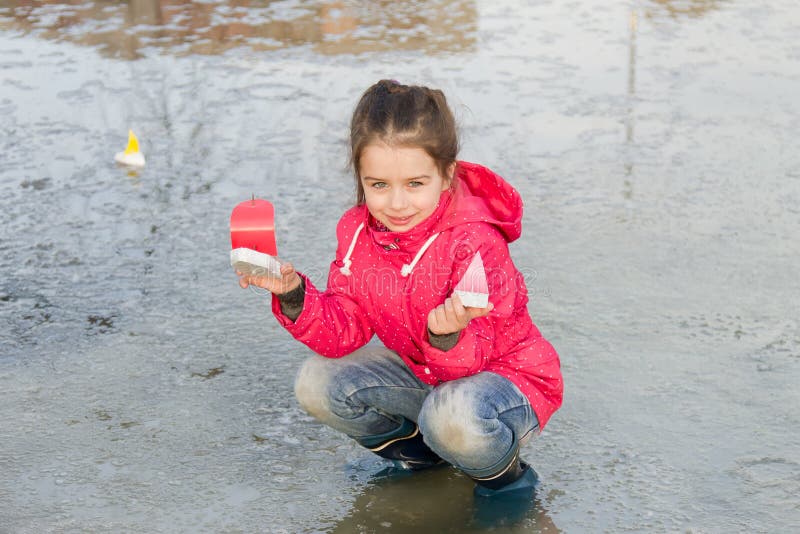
{"points": [[482, 195]]}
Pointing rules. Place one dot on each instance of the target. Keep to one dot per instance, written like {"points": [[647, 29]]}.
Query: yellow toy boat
{"points": [[131, 156]]}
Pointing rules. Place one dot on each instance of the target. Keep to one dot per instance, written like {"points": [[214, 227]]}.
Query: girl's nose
{"points": [[398, 200]]}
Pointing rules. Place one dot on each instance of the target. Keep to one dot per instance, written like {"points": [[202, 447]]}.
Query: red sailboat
{"points": [[253, 238]]}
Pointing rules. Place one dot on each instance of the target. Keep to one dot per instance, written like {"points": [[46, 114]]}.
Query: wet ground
{"points": [[654, 142]]}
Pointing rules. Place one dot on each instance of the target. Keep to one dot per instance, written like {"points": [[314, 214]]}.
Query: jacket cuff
{"points": [[284, 313], [443, 342], [292, 301], [458, 362]]}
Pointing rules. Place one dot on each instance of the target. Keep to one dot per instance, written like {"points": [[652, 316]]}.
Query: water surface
{"points": [[654, 143]]}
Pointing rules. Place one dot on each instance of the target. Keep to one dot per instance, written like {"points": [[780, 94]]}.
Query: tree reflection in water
{"points": [[181, 27], [675, 9]]}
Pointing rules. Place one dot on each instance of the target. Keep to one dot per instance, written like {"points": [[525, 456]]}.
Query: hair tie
{"points": [[393, 86]]}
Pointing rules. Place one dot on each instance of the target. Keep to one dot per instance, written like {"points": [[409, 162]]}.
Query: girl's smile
{"points": [[402, 185]]}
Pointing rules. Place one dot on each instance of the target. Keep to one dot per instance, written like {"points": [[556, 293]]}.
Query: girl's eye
{"points": [[378, 185], [415, 183]]}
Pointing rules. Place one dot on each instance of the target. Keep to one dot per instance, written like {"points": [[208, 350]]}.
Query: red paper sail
{"points": [[253, 226], [473, 289], [253, 239]]}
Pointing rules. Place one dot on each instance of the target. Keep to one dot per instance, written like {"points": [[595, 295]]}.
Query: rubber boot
{"points": [[506, 497], [516, 476], [404, 446]]}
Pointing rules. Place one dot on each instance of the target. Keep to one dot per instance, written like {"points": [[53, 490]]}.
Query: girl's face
{"points": [[402, 185]]}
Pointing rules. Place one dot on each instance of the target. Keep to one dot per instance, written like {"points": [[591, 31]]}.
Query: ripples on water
{"points": [[141, 390]]}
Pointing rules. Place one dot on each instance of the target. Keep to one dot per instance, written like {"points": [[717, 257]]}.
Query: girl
{"points": [[455, 384]]}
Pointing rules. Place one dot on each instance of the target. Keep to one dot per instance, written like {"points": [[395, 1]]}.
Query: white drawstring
{"points": [[406, 270], [345, 269]]}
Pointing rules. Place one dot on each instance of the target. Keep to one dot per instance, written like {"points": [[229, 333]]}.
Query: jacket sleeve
{"points": [[331, 323], [478, 342]]}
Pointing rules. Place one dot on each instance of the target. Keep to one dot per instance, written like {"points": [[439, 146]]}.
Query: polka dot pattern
{"points": [[375, 299]]}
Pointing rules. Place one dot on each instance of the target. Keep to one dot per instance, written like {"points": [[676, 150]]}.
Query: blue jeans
{"points": [[476, 423]]}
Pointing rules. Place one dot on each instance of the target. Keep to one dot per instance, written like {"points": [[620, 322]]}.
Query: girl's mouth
{"points": [[399, 221]]}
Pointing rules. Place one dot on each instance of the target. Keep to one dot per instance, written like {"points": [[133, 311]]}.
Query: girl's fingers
{"points": [[432, 319], [452, 316], [258, 281], [474, 313], [441, 317], [437, 320], [287, 269], [459, 312], [288, 278], [433, 322], [447, 309], [450, 306], [446, 320]]}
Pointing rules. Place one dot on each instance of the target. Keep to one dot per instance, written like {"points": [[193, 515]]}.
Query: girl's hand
{"points": [[452, 316], [289, 280]]}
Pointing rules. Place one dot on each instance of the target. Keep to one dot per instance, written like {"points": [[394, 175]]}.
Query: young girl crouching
{"points": [[462, 385]]}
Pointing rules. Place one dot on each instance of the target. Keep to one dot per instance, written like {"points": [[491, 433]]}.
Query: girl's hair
{"points": [[403, 116]]}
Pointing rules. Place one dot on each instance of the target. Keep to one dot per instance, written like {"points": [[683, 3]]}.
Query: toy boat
{"points": [[253, 238], [473, 289], [131, 156]]}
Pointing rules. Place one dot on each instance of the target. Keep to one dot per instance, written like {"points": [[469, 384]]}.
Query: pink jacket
{"points": [[386, 283]]}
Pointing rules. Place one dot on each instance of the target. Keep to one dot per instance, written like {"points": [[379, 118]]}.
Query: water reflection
{"points": [[629, 116], [655, 10], [404, 503], [181, 27], [690, 8]]}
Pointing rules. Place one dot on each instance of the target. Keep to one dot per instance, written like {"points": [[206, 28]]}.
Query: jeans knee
{"points": [[311, 387], [325, 387], [447, 420]]}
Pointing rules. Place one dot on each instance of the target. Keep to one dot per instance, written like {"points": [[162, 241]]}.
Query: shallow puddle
{"points": [[653, 142]]}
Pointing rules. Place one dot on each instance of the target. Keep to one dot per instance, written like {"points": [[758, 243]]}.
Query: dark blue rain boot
{"points": [[506, 496], [404, 446], [518, 476]]}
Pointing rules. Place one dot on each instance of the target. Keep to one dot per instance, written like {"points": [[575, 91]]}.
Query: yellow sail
{"points": [[133, 143]]}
